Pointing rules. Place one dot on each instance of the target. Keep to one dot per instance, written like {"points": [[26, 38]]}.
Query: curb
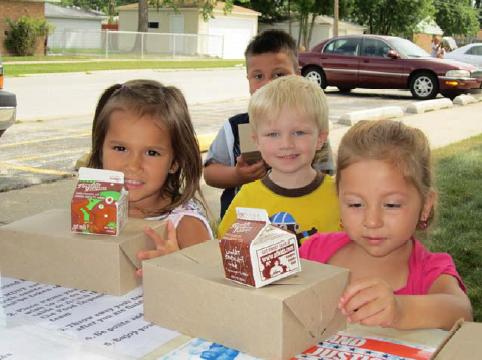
{"points": [[429, 105], [205, 141], [419, 107], [465, 99], [387, 112]]}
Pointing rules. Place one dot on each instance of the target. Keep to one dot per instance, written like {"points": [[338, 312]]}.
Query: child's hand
{"points": [[163, 247], [370, 302], [248, 173]]}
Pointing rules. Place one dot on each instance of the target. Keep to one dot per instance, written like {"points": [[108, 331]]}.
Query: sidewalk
{"points": [[442, 127]]}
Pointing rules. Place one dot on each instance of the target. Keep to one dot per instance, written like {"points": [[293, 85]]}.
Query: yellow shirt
{"points": [[303, 211]]}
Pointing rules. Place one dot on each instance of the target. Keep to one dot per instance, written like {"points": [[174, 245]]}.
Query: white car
{"points": [[470, 54]]}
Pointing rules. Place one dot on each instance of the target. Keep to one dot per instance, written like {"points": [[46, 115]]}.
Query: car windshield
{"points": [[408, 48]]}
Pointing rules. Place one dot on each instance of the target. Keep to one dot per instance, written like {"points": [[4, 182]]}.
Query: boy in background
{"points": [[289, 123], [270, 55]]}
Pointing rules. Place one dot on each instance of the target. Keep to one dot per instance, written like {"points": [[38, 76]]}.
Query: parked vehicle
{"points": [[386, 62], [8, 105], [470, 54]]}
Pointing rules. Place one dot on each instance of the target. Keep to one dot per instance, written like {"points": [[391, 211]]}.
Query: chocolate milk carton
{"points": [[257, 253], [99, 203]]}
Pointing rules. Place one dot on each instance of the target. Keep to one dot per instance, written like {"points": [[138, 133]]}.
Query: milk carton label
{"points": [[257, 253], [99, 204]]}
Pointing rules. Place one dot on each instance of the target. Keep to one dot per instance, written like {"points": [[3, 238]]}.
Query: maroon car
{"points": [[386, 62]]}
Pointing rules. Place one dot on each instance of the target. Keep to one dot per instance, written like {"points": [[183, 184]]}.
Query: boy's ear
{"points": [[322, 136], [428, 206]]}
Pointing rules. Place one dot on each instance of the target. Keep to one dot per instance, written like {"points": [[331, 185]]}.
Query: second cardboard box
{"points": [[187, 291]]}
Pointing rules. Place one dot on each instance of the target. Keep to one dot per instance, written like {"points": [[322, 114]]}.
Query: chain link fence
{"points": [[136, 45]]}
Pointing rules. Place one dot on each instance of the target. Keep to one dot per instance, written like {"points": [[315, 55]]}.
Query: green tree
{"points": [[24, 33], [271, 10], [391, 17], [306, 11], [457, 17]]}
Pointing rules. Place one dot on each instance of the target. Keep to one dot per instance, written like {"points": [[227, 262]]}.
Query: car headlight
{"points": [[457, 73]]}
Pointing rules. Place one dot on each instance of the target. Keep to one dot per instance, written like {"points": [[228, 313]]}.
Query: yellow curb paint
{"points": [[205, 141], [35, 170], [45, 139]]}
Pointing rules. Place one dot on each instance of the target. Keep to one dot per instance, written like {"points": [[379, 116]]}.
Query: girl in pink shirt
{"points": [[384, 184]]}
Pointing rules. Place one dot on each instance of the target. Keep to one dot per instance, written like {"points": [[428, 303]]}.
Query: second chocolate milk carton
{"points": [[100, 202], [257, 253]]}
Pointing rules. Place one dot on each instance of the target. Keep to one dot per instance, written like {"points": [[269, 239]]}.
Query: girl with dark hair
{"points": [[143, 129]]}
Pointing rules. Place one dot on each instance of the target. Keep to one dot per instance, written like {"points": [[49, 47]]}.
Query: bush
{"points": [[23, 34]]}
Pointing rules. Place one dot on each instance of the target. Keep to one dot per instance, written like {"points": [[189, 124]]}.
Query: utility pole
{"points": [[335, 22]]}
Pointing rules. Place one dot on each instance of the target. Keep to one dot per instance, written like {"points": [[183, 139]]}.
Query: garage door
{"points": [[236, 33]]}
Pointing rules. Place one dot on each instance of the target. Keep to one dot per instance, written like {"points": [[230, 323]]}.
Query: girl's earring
{"points": [[171, 171], [340, 224], [422, 224]]}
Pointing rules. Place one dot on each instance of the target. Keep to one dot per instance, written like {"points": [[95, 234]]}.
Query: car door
{"points": [[377, 70], [474, 55], [339, 60]]}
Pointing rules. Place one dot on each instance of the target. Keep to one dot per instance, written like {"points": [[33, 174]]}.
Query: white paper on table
{"points": [[26, 342], [112, 323]]}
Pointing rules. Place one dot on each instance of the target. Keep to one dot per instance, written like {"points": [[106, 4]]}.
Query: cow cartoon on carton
{"points": [[257, 253], [100, 201]]}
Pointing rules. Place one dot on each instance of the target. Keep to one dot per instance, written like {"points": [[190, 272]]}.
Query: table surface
{"points": [[61, 322]]}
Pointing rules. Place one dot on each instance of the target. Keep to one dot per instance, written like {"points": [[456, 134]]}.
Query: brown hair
{"points": [[168, 106], [403, 146], [273, 41]]}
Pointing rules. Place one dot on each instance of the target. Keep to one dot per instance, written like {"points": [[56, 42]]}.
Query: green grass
{"points": [[458, 226], [45, 58], [24, 69]]}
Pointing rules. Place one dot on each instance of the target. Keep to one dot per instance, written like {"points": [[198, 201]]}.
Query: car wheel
{"points": [[424, 86], [316, 75], [344, 90]]}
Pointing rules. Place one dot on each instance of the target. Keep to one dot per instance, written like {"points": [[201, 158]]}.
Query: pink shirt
{"points": [[424, 267]]}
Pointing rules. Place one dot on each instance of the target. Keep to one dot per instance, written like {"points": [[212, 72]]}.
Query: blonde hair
{"points": [[167, 106], [402, 146], [294, 92]]}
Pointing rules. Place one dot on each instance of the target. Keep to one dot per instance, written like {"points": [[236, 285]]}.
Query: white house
{"points": [[322, 29], [185, 32], [73, 27]]}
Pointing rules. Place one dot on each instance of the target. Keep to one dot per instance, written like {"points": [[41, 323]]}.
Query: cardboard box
{"points": [[187, 291], [257, 253], [42, 248], [100, 202], [248, 147], [463, 342]]}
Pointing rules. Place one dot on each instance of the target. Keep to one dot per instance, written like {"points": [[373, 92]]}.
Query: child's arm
{"points": [[372, 302], [226, 176], [191, 231]]}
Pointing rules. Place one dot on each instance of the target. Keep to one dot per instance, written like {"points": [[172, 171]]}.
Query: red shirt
{"points": [[424, 266]]}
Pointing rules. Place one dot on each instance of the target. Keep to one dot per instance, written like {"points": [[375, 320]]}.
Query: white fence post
{"points": [[106, 43]]}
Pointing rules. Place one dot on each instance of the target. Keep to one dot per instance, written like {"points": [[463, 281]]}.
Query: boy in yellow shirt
{"points": [[289, 122]]}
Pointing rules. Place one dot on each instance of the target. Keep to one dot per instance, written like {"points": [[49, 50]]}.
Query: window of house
{"points": [[153, 25]]}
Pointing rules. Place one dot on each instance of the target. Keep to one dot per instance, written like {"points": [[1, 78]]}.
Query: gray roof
{"points": [[54, 11]]}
